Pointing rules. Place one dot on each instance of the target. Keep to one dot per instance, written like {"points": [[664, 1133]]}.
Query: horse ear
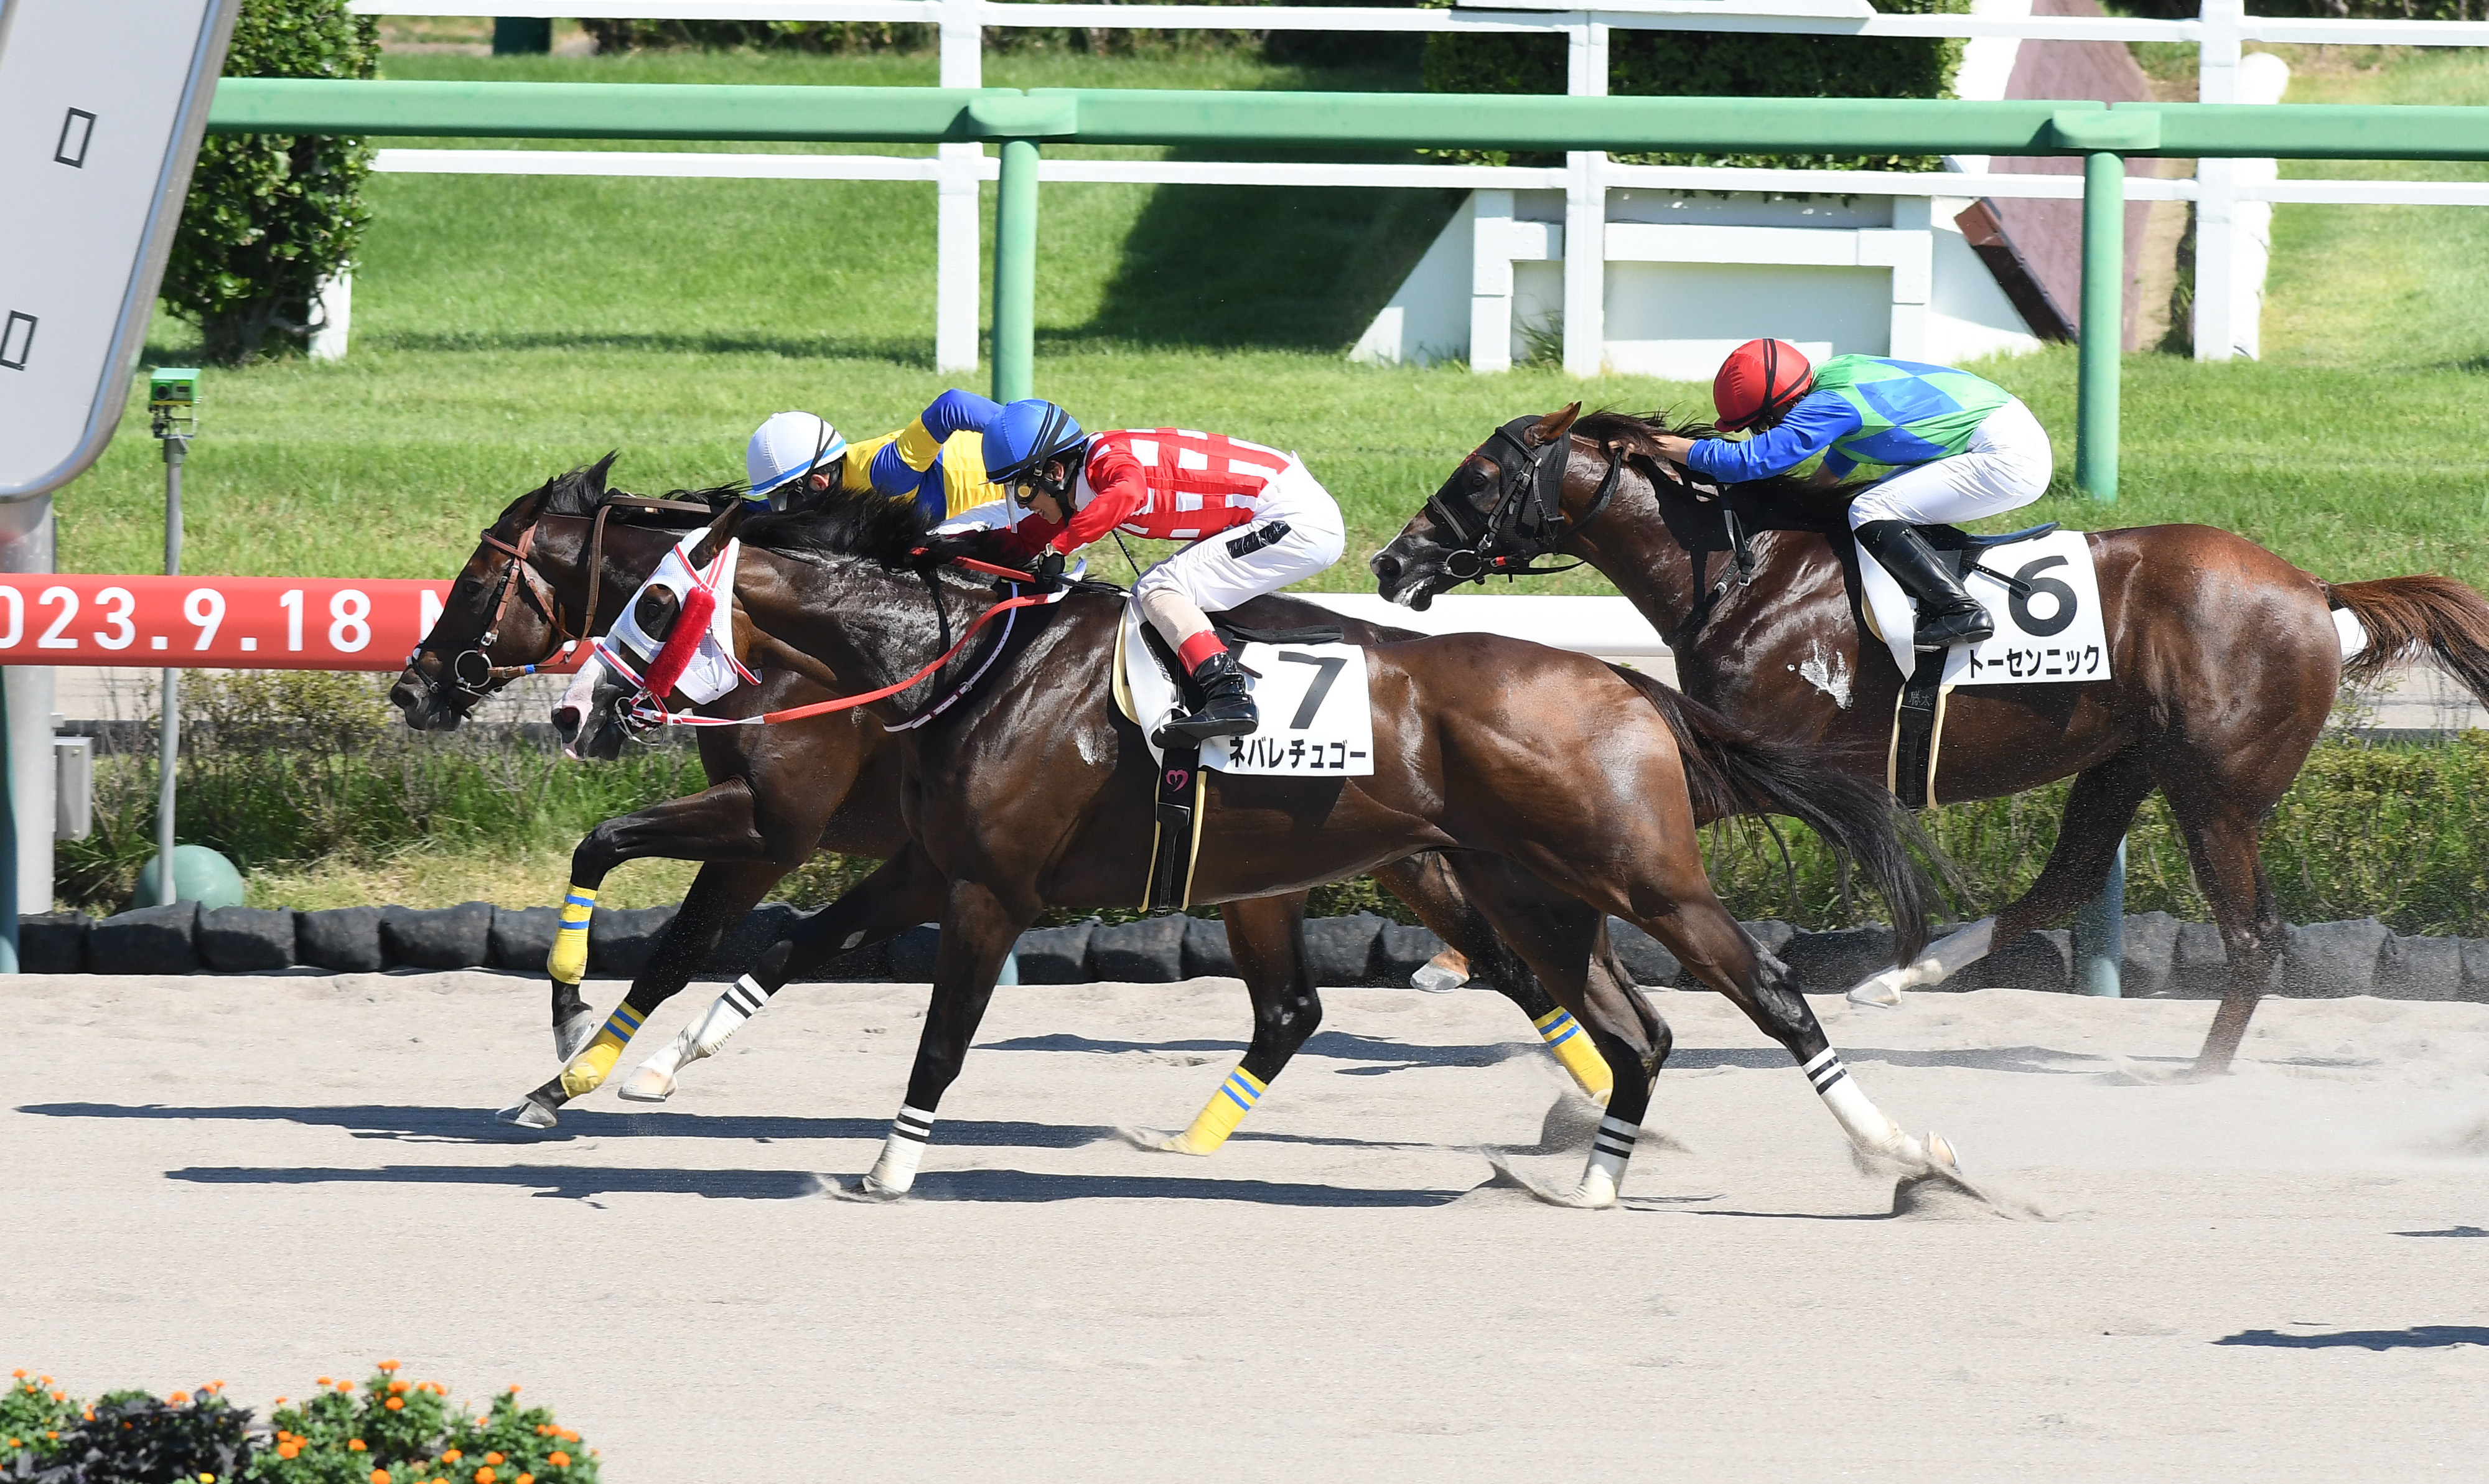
{"points": [[596, 470], [1555, 425]]}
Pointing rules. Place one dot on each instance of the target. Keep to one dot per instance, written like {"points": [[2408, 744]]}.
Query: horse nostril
{"points": [[1385, 567], [565, 723]]}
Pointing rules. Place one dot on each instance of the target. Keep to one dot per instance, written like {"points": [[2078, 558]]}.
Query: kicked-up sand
{"points": [[2279, 1274]]}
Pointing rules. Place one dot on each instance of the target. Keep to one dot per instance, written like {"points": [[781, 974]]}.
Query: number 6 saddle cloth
{"points": [[1317, 723], [2039, 587]]}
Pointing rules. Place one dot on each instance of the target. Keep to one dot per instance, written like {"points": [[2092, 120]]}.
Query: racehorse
{"points": [[1032, 791], [562, 561], [2224, 662]]}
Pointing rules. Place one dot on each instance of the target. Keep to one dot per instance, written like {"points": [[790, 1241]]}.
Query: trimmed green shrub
{"points": [[270, 216], [281, 766], [815, 36], [1708, 64]]}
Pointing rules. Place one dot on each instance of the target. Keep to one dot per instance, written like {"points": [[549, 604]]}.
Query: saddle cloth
{"points": [[2049, 631], [2051, 635], [1316, 720]]}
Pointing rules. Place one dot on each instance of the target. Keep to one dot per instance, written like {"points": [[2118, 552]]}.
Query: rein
{"points": [[1005, 608], [1528, 518]]}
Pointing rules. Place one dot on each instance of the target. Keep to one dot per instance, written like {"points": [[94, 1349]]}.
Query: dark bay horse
{"points": [[2224, 662], [778, 793], [1032, 791]]}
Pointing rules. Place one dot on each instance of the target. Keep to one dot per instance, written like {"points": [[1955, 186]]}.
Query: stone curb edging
{"points": [[2163, 957]]}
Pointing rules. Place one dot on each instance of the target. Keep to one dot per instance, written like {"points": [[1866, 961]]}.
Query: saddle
{"points": [[1175, 839], [1918, 717]]}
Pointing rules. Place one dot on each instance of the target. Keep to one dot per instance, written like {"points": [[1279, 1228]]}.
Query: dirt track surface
{"points": [[2280, 1274]]}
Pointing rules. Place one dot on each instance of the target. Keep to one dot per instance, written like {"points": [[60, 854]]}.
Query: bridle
{"points": [[1528, 520], [473, 670]]}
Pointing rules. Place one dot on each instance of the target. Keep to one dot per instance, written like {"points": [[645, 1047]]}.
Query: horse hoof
{"points": [[527, 1113], [647, 1085], [863, 1188], [573, 1035], [1876, 993], [1578, 1198], [1940, 1155]]}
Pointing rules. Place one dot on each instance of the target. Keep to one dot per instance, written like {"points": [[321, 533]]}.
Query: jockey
{"points": [[797, 451], [1962, 448], [1064, 489]]}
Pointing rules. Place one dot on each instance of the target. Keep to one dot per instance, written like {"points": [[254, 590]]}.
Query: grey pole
{"points": [[169, 734], [25, 742]]}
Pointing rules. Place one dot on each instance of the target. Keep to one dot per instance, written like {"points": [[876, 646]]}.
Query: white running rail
{"points": [[2218, 189]]}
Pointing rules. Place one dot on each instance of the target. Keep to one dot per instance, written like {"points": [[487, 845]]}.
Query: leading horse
{"points": [[1029, 791], [2224, 662], [560, 562]]}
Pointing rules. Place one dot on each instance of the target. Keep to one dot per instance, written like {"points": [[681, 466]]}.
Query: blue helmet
{"points": [[1025, 435]]}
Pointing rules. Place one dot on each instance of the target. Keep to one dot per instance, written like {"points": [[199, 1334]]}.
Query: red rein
{"points": [[850, 702]]}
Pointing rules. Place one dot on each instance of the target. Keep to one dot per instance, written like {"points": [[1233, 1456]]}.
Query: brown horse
{"points": [[2224, 659], [1030, 790], [549, 570]]}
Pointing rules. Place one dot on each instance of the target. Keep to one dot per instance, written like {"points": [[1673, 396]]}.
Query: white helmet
{"points": [[789, 446]]}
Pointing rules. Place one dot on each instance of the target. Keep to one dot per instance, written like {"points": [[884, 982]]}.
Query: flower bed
{"points": [[387, 1429]]}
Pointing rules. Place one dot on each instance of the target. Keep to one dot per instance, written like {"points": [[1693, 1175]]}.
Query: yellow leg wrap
{"points": [[1219, 1119], [568, 961], [593, 1066], [1572, 1046]]}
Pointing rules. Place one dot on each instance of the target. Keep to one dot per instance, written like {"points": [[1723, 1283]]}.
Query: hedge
{"points": [[269, 217], [1713, 65]]}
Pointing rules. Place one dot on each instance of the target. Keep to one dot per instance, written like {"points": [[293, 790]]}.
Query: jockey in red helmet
{"points": [[1254, 516], [1959, 447]]}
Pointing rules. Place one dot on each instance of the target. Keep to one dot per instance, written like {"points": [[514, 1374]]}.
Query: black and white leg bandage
{"points": [[903, 1150], [1825, 1071]]}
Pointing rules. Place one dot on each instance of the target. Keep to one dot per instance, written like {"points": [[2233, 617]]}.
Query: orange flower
{"points": [[380, 1477], [491, 1458], [324, 1381], [89, 1414], [355, 1446], [15, 1444], [178, 1398], [20, 1373], [389, 1365], [558, 1459], [280, 1401], [345, 1387], [63, 1397], [397, 1387], [483, 1476], [395, 1404], [526, 1479], [452, 1456], [567, 1436], [288, 1449]]}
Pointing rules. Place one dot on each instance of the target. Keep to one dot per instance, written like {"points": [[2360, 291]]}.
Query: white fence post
{"points": [[2216, 328], [1585, 211], [1491, 282], [959, 271]]}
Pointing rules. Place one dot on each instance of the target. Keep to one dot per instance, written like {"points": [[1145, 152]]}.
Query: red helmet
{"points": [[1759, 379]]}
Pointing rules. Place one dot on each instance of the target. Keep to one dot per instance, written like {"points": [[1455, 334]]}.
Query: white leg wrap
{"points": [[1859, 1118], [654, 1080], [1942, 961], [1611, 1151], [895, 1172]]}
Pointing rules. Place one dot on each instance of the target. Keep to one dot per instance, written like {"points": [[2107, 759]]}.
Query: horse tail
{"points": [[1730, 770], [2406, 614]]}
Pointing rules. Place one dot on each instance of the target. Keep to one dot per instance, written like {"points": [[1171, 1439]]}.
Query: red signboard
{"points": [[214, 623]]}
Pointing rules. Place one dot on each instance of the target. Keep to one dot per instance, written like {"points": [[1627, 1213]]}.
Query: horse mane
{"points": [[584, 491], [841, 522], [1638, 437]]}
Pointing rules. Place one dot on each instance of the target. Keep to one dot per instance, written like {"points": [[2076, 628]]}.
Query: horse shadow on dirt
{"points": [[586, 1183], [1386, 1055], [475, 1126], [2416, 1338]]}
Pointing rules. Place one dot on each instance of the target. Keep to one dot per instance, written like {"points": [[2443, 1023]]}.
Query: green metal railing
{"points": [[2104, 135]]}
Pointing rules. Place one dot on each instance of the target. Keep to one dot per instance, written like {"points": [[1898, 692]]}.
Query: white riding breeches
{"points": [[2007, 465], [1296, 533]]}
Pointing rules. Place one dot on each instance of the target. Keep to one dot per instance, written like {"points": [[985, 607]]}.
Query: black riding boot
{"points": [[1947, 614], [1226, 708]]}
